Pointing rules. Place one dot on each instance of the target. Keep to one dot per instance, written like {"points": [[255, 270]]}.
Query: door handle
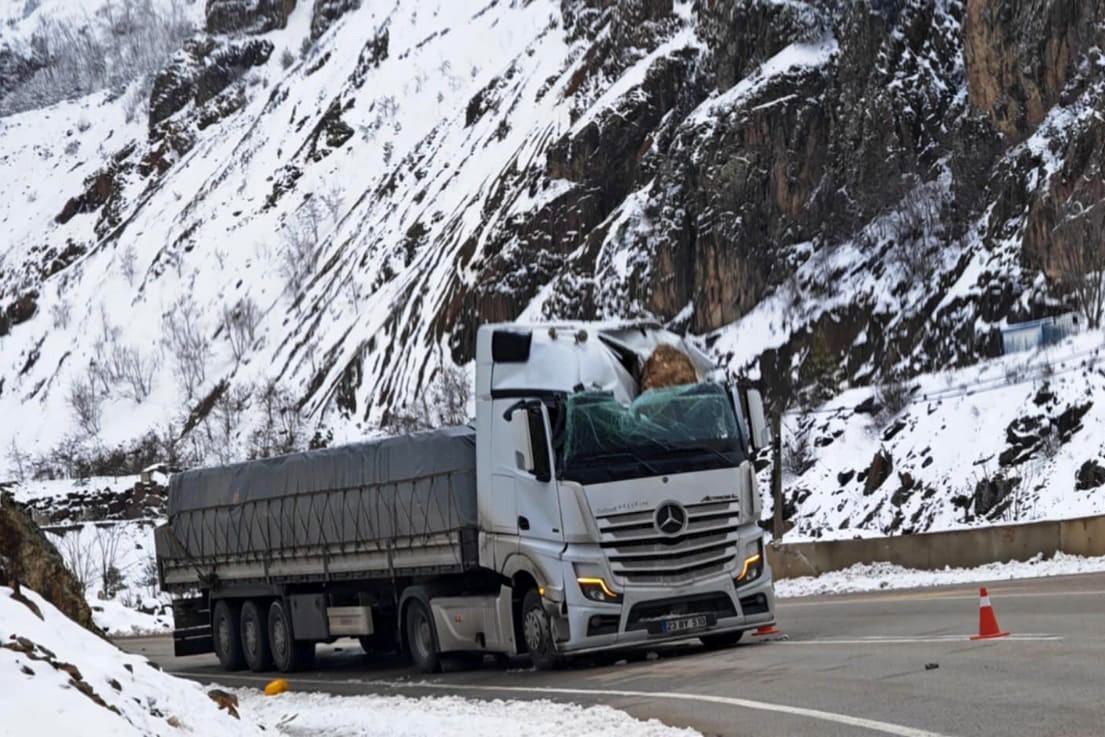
{"points": [[523, 523]]}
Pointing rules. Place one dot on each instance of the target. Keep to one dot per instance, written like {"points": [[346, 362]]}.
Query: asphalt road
{"points": [[896, 663]]}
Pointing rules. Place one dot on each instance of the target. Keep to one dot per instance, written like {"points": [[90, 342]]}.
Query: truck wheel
{"points": [[288, 654], [537, 632], [716, 642], [255, 638], [226, 632], [421, 637]]}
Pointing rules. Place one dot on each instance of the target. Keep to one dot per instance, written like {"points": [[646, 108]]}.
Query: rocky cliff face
{"points": [[28, 559], [828, 192]]}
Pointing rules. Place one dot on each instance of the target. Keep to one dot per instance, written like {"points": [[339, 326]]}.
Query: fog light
{"points": [[596, 589]]}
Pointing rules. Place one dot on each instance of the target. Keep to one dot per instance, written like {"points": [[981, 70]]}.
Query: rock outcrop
{"points": [[247, 16], [27, 557]]}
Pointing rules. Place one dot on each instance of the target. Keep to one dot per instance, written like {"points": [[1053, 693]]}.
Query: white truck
{"points": [[578, 515]]}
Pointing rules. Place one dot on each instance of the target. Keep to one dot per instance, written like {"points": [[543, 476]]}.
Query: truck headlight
{"points": [[596, 589], [753, 567]]}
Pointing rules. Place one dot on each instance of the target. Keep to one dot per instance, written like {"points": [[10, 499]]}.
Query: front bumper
{"points": [[593, 626]]}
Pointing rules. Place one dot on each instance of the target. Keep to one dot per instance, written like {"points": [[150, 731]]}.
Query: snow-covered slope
{"points": [[1017, 438], [57, 678]]}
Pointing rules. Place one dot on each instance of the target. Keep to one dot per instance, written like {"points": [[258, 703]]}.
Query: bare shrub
{"points": [[76, 552], [86, 403], [61, 314], [299, 254], [287, 58], [333, 200], [218, 435], [893, 395], [281, 429], [914, 231], [128, 264], [108, 541], [150, 579], [444, 401], [184, 337], [20, 461], [137, 372], [798, 451], [240, 323]]}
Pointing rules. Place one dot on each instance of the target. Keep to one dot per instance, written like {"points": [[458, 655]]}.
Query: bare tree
{"points": [[1080, 257], [109, 540], [240, 323], [86, 402], [187, 344], [299, 255], [281, 429], [128, 264], [21, 462], [76, 552]]}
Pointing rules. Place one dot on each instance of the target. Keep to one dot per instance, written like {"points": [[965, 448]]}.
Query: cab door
{"points": [[538, 502]]}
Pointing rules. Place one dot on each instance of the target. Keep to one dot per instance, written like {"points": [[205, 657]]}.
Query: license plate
{"points": [[682, 625]]}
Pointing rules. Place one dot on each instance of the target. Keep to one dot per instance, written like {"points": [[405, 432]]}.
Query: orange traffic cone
{"points": [[987, 621], [767, 629]]}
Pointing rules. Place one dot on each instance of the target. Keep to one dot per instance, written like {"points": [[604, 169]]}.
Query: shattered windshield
{"points": [[668, 430]]}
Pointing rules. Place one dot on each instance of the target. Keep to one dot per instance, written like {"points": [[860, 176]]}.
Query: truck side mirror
{"points": [[760, 431]]}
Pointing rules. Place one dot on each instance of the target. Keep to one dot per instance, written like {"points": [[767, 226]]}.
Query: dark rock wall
{"points": [[28, 557]]}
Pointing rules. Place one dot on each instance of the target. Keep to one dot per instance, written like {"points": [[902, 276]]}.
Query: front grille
{"points": [[718, 604], [639, 553]]}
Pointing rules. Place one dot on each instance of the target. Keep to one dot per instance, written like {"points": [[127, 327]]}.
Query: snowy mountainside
{"points": [[1013, 439], [295, 241]]}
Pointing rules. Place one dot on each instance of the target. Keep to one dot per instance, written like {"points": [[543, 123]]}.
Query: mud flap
{"points": [[192, 632]]}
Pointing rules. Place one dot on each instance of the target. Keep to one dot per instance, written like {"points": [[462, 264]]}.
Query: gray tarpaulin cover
{"points": [[394, 488]]}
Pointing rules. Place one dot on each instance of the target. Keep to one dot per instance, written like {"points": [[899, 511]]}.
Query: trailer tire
{"points": [[537, 632], [288, 654], [421, 637], [227, 636], [255, 638], [724, 640]]}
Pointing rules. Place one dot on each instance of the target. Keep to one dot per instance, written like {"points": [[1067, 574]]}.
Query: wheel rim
{"points": [[422, 638], [224, 635], [250, 635], [534, 630], [279, 636]]}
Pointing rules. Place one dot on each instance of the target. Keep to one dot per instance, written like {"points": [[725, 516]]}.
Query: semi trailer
{"points": [[579, 513]]}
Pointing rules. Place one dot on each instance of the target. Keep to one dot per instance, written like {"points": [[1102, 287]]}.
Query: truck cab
{"points": [[621, 516]]}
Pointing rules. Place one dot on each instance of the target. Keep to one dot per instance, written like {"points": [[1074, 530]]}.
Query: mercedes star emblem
{"points": [[671, 518]]}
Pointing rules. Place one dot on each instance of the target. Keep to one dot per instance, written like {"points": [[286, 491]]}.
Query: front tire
{"points": [[288, 654], [724, 640], [421, 637], [227, 635], [538, 633], [255, 638]]}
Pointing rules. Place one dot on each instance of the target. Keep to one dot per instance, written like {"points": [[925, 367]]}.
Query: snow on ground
{"points": [[38, 696], [321, 715], [880, 576]]}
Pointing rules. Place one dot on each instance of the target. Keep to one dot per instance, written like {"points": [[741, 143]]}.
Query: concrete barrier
{"points": [[935, 550]]}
